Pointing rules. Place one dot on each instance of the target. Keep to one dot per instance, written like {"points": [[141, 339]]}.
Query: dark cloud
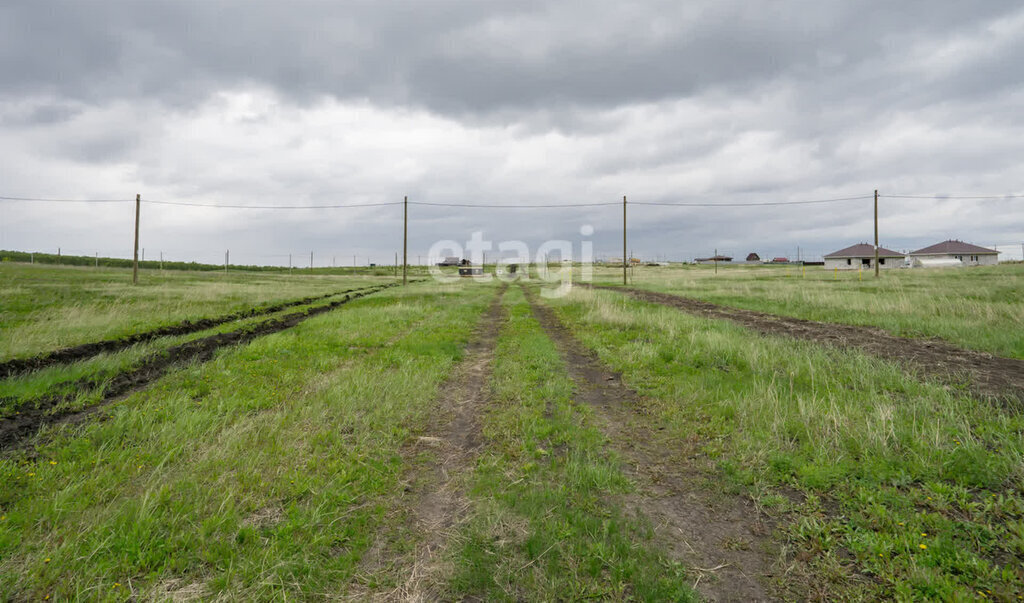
{"points": [[506, 102], [481, 57]]}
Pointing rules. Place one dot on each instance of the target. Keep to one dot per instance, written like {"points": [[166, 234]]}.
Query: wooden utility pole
{"points": [[405, 242], [161, 261], [715, 260], [97, 259], [135, 260], [227, 259], [876, 233], [289, 263], [625, 260], [310, 261]]}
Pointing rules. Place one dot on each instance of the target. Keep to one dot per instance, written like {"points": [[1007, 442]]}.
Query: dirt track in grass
{"points": [[20, 366], [984, 375], [721, 538], [438, 499], [16, 429]]}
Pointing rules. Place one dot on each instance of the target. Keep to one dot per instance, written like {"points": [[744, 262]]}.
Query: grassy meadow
{"points": [[292, 466], [885, 486], [47, 307], [980, 308]]}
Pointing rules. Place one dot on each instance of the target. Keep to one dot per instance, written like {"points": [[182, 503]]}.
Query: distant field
{"points": [[46, 307], [980, 308]]}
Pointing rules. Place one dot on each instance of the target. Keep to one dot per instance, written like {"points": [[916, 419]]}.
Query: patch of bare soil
{"points": [[986, 376], [721, 538], [20, 366], [14, 430], [454, 435]]}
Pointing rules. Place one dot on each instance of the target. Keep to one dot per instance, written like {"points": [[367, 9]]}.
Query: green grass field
{"points": [[980, 308], [300, 465]]}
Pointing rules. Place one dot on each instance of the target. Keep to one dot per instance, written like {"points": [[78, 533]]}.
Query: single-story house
{"points": [[753, 257], [947, 253], [713, 259], [862, 255]]}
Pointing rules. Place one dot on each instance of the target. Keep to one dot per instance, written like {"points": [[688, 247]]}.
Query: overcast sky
{"points": [[509, 103]]}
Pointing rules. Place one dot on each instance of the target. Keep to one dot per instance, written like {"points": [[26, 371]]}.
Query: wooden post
{"points": [[396, 264], [161, 261], [97, 259], [625, 260], [135, 260], [58, 256], [715, 260], [289, 263], [227, 258], [311, 261], [876, 233], [404, 244]]}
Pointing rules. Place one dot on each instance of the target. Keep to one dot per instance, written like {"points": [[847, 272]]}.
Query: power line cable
{"points": [[522, 206], [942, 197], [751, 204], [66, 200], [187, 204], [483, 205]]}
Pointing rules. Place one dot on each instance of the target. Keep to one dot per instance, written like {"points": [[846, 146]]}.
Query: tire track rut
{"points": [[987, 376], [455, 435], [721, 538], [21, 366], [16, 429]]}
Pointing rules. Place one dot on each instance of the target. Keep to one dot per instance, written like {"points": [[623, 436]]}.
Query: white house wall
{"points": [[855, 263], [989, 259]]}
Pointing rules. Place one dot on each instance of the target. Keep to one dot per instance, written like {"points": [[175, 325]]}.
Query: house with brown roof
{"points": [[862, 255], [948, 253]]}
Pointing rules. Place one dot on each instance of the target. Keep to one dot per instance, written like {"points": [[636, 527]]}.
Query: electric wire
{"points": [[942, 197], [213, 205], [66, 200], [516, 206]]}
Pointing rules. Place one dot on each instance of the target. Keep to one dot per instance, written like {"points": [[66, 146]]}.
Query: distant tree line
{"points": [[85, 260]]}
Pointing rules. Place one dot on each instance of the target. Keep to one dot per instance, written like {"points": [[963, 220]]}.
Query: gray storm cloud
{"points": [[502, 103]]}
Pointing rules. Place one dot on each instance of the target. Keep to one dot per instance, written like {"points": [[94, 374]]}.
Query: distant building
{"points": [[713, 259], [780, 260], [948, 253], [753, 257], [862, 255], [449, 261]]}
